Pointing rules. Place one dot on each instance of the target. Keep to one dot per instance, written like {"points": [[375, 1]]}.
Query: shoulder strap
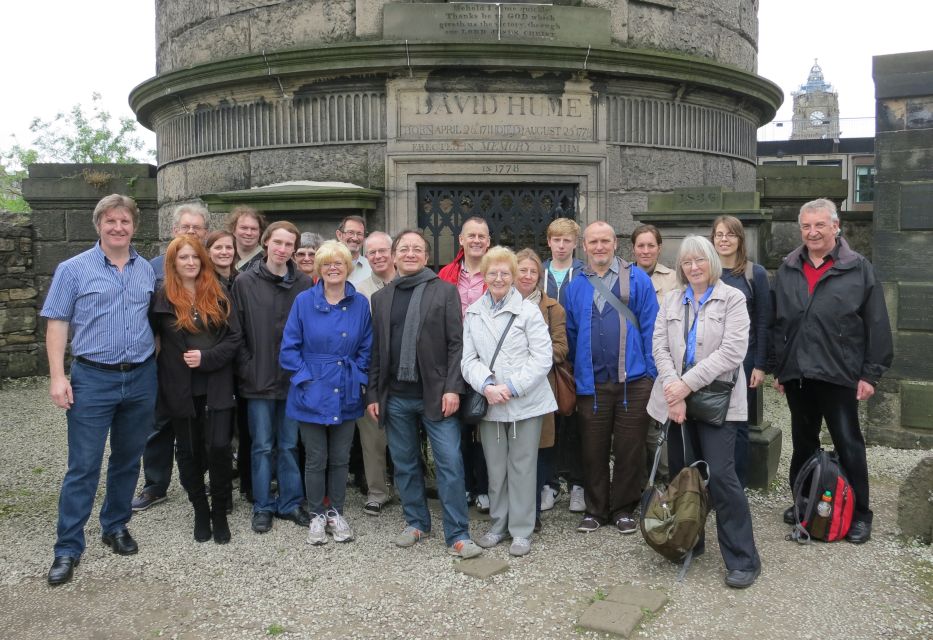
{"points": [[613, 299], [750, 275], [501, 340]]}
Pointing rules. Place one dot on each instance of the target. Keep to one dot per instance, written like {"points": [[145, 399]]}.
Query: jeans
{"points": [[327, 458], [402, 419], [118, 403], [270, 429], [158, 457]]}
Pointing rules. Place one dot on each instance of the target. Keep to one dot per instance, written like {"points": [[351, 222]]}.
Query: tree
{"points": [[78, 137]]}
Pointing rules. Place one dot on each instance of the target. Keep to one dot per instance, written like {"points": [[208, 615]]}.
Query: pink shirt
{"points": [[470, 287]]}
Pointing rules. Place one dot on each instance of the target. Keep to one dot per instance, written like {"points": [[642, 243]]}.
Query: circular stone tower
{"points": [[421, 114]]}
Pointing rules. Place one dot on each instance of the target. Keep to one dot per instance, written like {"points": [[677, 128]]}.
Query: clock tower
{"points": [[816, 108]]}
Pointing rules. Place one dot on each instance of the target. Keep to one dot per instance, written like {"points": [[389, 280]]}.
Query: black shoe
{"points": [[262, 521], [538, 525], [298, 515], [202, 520], [789, 516], [625, 523], [372, 508], [219, 526], [62, 569], [742, 579], [121, 542], [859, 532], [588, 524]]}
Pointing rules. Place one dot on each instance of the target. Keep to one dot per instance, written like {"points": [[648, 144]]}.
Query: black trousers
{"points": [[811, 402], [716, 445], [203, 442]]}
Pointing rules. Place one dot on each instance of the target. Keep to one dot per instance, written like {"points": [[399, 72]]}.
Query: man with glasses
{"points": [[159, 455], [352, 232], [832, 342], [611, 310], [415, 382]]}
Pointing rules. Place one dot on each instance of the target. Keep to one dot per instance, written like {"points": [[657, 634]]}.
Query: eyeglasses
{"points": [[327, 266], [191, 228], [688, 264], [724, 236], [819, 226], [410, 249], [353, 234], [497, 275], [305, 253], [377, 252]]}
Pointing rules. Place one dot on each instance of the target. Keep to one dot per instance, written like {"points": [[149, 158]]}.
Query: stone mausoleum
{"points": [[422, 114]]}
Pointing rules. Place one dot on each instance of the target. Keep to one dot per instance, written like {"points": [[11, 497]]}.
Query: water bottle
{"points": [[820, 527]]}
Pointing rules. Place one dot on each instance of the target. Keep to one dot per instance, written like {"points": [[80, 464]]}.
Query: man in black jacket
{"points": [[832, 341]]}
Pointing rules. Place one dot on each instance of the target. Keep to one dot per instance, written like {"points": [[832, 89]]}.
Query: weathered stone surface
{"points": [[22, 294], [218, 173], [19, 364], [49, 225], [17, 319], [644, 169], [79, 225], [618, 18], [915, 502], [917, 405], [173, 183], [481, 567], [621, 210], [369, 18], [299, 23], [349, 163], [50, 254], [611, 617], [225, 37], [650, 599]]}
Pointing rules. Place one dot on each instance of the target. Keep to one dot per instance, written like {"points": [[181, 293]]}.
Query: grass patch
{"points": [[275, 629]]}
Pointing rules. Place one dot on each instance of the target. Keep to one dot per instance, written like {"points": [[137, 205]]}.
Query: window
{"points": [[865, 183], [824, 163]]}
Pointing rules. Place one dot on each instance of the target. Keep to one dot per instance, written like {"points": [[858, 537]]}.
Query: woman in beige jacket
{"points": [[701, 335]]}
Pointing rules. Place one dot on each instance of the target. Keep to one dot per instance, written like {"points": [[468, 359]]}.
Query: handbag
{"points": [[475, 404], [565, 389], [709, 404]]}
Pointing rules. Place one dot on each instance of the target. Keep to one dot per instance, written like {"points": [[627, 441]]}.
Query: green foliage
{"points": [[76, 137], [275, 629]]}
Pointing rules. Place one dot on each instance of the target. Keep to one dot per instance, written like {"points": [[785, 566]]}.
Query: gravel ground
{"points": [[277, 585]]}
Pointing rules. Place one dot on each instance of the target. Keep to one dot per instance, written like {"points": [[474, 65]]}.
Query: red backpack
{"points": [[823, 500]]}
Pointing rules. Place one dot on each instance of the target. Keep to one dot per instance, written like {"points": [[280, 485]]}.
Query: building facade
{"points": [[816, 108]]}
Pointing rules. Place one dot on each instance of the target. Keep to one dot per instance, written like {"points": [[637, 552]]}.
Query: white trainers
{"points": [[317, 530], [464, 549], [409, 536], [548, 498], [338, 527], [577, 501], [489, 540], [520, 547], [482, 503]]}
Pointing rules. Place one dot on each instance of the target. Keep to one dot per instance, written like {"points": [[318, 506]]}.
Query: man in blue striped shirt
{"points": [[101, 297]]}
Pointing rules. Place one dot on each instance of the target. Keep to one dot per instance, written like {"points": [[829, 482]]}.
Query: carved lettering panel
{"points": [[914, 303]]}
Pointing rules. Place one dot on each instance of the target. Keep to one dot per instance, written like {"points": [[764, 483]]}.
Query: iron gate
{"points": [[517, 214]]}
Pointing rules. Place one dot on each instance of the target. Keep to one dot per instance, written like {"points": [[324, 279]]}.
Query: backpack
{"points": [[673, 518], [822, 479]]}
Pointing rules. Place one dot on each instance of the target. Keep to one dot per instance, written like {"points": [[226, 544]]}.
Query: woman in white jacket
{"points": [[518, 394]]}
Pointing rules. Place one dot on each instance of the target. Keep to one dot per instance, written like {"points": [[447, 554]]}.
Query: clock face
{"points": [[817, 118]]}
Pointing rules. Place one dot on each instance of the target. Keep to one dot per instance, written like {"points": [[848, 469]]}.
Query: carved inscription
{"points": [[501, 21], [490, 122], [913, 308]]}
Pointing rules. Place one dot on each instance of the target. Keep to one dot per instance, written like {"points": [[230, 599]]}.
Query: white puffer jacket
{"points": [[524, 360]]}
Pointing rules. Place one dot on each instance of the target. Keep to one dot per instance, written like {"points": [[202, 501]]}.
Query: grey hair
{"points": [[191, 208], [820, 204], [375, 234], [698, 247], [310, 240]]}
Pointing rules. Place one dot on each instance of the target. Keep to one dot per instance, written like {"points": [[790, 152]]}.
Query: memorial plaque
{"points": [[914, 305], [916, 208], [468, 21]]}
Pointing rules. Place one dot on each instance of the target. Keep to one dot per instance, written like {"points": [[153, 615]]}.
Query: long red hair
{"points": [[209, 300]]}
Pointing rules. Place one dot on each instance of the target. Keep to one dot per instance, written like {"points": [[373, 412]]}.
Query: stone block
{"points": [[611, 617], [650, 599], [79, 225], [226, 37], [49, 225], [369, 18], [917, 405], [915, 207], [912, 356], [17, 319], [348, 163], [481, 567], [643, 169], [915, 502], [21, 294], [172, 183], [621, 211], [50, 254], [764, 455], [301, 23], [914, 302], [21, 364], [7, 244], [618, 18], [217, 173], [904, 256]]}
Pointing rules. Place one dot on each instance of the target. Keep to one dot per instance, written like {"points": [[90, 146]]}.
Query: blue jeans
{"points": [[403, 418], [118, 403], [270, 429], [327, 460]]}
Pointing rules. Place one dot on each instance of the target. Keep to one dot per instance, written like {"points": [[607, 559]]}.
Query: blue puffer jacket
{"points": [[639, 361], [327, 347]]}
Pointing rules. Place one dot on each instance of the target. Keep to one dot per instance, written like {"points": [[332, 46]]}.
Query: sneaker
{"points": [[520, 547], [338, 527], [577, 502], [548, 498], [464, 549], [146, 499], [489, 539], [482, 503], [317, 531], [625, 523], [409, 536], [372, 508], [589, 524]]}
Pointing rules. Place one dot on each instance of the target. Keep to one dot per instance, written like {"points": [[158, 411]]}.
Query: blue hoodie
{"points": [[550, 284]]}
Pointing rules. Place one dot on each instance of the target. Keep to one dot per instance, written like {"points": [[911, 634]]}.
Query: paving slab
{"points": [[611, 617], [482, 567], [650, 599]]}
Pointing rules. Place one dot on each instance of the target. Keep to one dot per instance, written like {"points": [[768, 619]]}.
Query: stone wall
{"points": [[19, 351]]}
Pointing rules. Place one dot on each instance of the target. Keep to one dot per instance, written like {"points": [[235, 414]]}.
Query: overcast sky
{"points": [[57, 53]]}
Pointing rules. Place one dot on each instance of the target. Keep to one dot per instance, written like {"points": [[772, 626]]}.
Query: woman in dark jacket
{"points": [[199, 337], [221, 246]]}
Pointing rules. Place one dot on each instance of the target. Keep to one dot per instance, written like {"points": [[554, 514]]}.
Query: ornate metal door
{"points": [[517, 214]]}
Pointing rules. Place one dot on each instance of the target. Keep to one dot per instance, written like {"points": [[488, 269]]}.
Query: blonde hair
{"points": [[563, 227], [499, 254], [331, 251]]}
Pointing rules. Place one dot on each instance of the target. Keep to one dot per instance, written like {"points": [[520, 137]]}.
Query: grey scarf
{"points": [[407, 372]]}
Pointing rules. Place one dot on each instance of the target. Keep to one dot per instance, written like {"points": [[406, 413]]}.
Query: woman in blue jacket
{"points": [[326, 345]]}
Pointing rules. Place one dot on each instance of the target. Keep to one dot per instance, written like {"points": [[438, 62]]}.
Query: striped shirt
{"points": [[107, 309]]}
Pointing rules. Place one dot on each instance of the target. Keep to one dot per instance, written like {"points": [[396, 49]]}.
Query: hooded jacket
{"points": [[263, 301], [841, 334], [550, 284], [327, 347]]}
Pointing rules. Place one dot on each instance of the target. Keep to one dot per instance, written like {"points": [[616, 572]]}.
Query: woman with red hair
{"points": [[199, 334]]}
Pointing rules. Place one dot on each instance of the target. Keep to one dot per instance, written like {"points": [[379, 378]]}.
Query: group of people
{"points": [[268, 336]]}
